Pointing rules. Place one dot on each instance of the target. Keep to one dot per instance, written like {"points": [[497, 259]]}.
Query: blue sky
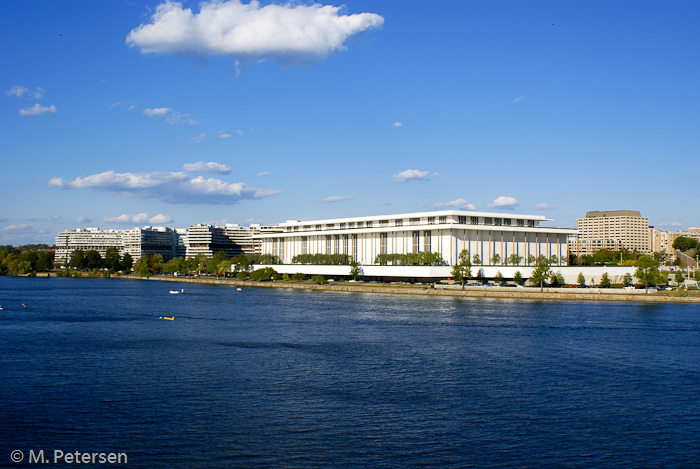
{"points": [[122, 114]]}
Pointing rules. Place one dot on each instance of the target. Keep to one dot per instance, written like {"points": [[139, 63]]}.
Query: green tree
{"points": [[496, 259], [127, 262], [647, 271], [556, 278], [93, 260], [683, 243], [581, 280], [518, 278], [498, 278], [476, 260], [514, 259], [143, 266], [264, 274], [112, 259], [462, 270], [679, 277], [627, 280], [541, 272], [77, 260], [531, 259], [215, 261], [354, 270], [605, 280]]}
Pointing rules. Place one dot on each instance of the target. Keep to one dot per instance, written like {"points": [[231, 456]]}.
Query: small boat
{"points": [[166, 318], [239, 289], [174, 292]]}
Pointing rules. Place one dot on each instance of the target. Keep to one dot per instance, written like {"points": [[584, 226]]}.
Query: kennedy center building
{"points": [[446, 232]]}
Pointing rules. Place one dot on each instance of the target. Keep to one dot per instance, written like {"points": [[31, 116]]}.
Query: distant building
{"points": [[138, 242], [662, 241], [230, 238], [612, 230]]}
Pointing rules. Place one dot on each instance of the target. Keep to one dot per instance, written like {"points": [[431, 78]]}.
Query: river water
{"points": [[290, 378]]}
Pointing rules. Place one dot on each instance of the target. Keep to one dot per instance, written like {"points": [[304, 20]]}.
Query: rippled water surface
{"points": [[286, 378]]}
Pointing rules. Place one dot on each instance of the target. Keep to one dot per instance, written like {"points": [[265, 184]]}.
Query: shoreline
{"points": [[558, 294]]}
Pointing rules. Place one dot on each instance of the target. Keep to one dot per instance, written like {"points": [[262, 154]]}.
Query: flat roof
{"points": [[439, 213]]}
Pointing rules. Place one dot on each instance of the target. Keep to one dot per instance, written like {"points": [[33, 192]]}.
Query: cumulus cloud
{"points": [[410, 175], [22, 92], [459, 204], [139, 218], [504, 202], [38, 110], [338, 198], [224, 135], [172, 187], [397, 124], [81, 219], [545, 207], [171, 116], [290, 33], [202, 167]]}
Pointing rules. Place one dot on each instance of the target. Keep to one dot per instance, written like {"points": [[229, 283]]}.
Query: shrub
{"points": [[320, 279], [298, 277], [262, 275], [241, 275]]}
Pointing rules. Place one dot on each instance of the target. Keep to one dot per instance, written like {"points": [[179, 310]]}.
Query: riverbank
{"points": [[557, 294]]}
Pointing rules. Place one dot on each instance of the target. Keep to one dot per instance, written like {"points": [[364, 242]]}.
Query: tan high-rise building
{"points": [[612, 230]]}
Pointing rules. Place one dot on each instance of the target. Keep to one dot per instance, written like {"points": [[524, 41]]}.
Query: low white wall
{"points": [[592, 274]]}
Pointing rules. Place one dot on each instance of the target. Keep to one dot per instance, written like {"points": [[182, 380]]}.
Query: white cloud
{"points": [[171, 116], [518, 99], [338, 198], [410, 175], [198, 138], [224, 135], [397, 124], [545, 207], [171, 187], [139, 218], [460, 204], [81, 219], [264, 173], [290, 33], [674, 224], [202, 167], [157, 112], [38, 110], [504, 202], [16, 229], [22, 92]]}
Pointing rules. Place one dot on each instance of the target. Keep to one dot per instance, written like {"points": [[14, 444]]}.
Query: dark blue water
{"points": [[283, 378]]}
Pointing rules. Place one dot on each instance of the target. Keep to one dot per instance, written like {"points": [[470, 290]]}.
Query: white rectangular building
{"points": [[446, 232]]}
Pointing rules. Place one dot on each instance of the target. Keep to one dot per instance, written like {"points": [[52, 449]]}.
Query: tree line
{"points": [[23, 260]]}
